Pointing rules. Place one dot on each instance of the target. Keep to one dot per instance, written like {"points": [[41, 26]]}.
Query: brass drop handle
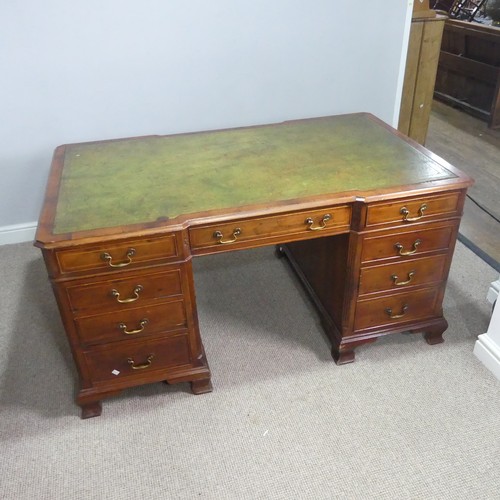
{"points": [[322, 223], [405, 213], [396, 316], [218, 234], [395, 278], [142, 325], [116, 294], [148, 362], [400, 247], [109, 259]]}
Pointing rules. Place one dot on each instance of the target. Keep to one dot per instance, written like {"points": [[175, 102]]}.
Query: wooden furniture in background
{"points": [[367, 219], [420, 73], [468, 75]]}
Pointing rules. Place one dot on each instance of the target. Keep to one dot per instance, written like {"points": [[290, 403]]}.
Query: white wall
{"points": [[78, 71]]}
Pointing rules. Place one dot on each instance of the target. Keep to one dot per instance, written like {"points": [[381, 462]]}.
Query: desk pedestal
{"points": [[368, 284]]}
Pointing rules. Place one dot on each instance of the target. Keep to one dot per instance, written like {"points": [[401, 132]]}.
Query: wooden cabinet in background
{"points": [[468, 74], [420, 74]]}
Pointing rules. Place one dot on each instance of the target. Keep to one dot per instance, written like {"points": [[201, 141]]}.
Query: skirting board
{"points": [[17, 233], [488, 353], [487, 346], [493, 291]]}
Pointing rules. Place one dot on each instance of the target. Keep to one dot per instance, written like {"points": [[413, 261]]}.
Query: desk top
{"points": [[108, 187]]}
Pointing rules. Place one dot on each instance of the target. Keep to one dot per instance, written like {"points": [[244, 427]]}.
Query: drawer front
{"points": [[400, 275], [118, 256], [132, 323], [124, 293], [394, 309], [409, 211], [293, 226], [408, 244], [138, 360]]}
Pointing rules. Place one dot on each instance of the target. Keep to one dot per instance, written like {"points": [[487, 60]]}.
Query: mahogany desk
{"points": [[367, 218]]}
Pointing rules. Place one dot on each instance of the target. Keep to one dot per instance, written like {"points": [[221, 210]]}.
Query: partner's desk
{"points": [[367, 219]]}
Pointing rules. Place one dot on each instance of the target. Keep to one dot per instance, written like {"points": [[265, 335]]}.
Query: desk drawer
{"points": [[399, 245], [115, 256], [283, 227], [123, 293], [132, 323], [411, 210], [397, 308], [137, 359], [401, 275]]}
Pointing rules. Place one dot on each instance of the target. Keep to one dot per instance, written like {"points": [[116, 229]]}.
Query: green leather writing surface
{"points": [[153, 178]]}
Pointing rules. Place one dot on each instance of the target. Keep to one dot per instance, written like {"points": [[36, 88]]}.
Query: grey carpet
{"points": [[405, 421]]}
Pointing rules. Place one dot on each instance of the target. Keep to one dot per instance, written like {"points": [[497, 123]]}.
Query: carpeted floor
{"points": [[405, 421]]}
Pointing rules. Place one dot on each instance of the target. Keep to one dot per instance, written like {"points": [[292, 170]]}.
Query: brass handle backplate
{"points": [[322, 223], [395, 278], [219, 235], [404, 310], [137, 290], [148, 362], [109, 259], [405, 213], [142, 325], [400, 247]]}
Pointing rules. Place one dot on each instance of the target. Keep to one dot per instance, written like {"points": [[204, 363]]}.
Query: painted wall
{"points": [[79, 71]]}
